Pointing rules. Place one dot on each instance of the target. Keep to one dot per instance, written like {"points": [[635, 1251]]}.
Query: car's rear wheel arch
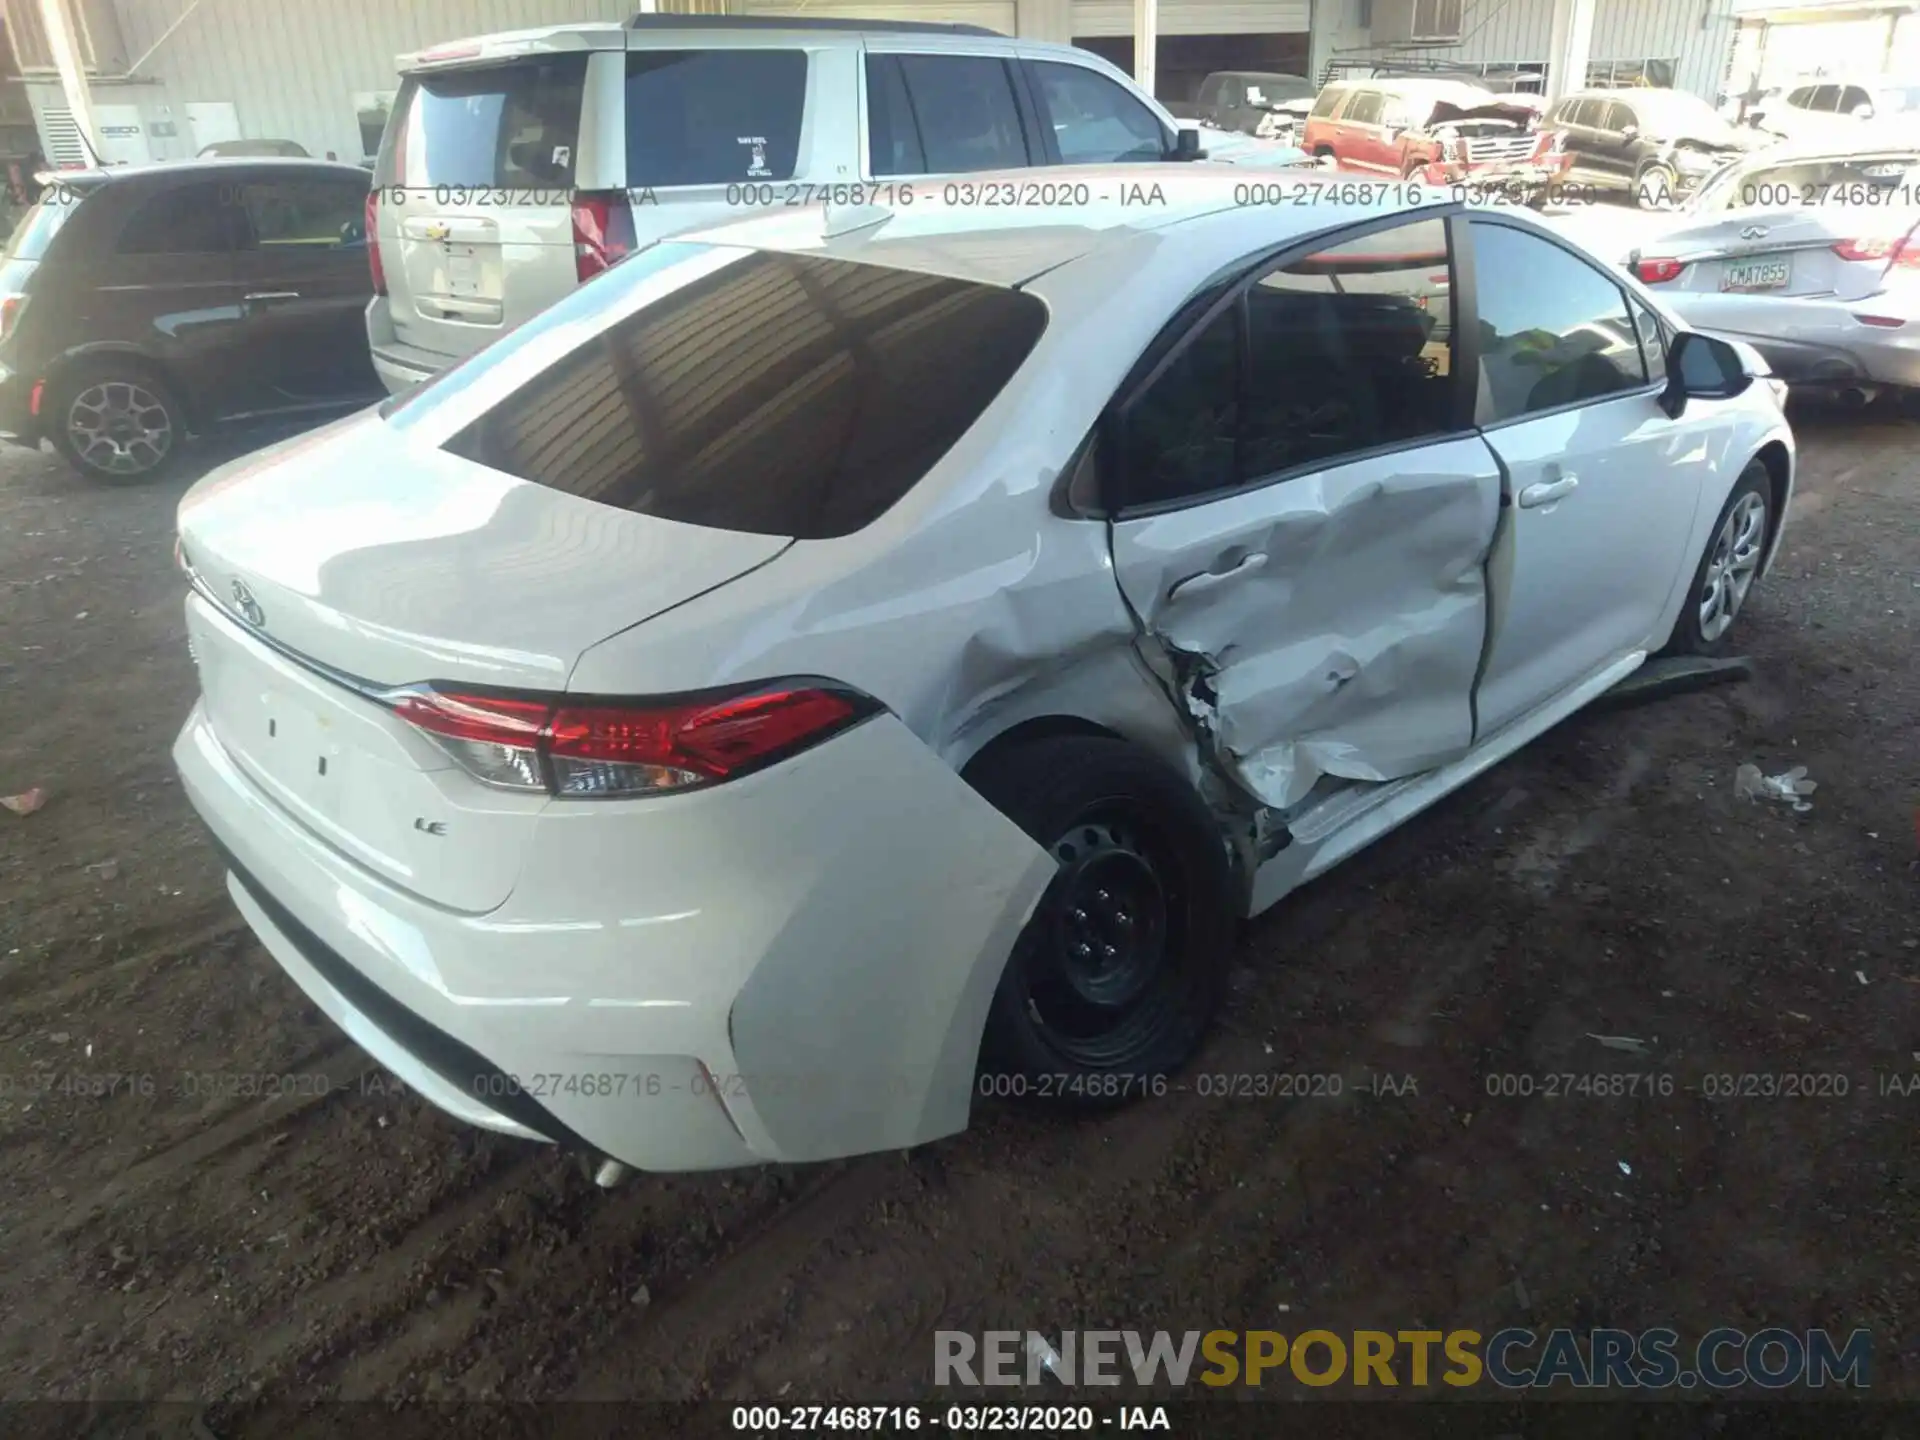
{"points": [[1027, 732], [1122, 965], [1774, 456], [60, 375]]}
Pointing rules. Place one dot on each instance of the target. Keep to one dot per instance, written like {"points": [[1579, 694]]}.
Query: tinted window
{"points": [[1348, 349], [1620, 119], [779, 394], [1095, 120], [1365, 109], [1328, 99], [1853, 97], [200, 219], [1583, 112], [35, 230], [893, 139], [1802, 98], [1825, 97], [965, 111], [707, 117], [1553, 330], [492, 125], [1653, 341], [319, 214], [1182, 432]]}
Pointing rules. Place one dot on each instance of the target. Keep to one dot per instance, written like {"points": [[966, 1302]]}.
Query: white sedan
{"points": [[817, 673]]}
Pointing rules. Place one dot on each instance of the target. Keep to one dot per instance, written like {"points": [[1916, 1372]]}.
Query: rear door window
{"points": [[686, 410], [1095, 121], [1323, 107], [964, 115], [711, 117], [489, 126], [36, 229], [199, 219]]}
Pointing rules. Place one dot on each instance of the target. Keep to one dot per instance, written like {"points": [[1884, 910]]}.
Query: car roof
{"points": [[209, 164], [719, 31], [1010, 246]]}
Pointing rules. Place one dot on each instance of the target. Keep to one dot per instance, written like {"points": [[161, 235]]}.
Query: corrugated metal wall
{"points": [[1194, 17], [1696, 33], [292, 67]]}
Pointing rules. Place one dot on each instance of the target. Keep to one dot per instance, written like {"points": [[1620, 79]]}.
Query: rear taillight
{"points": [[614, 749], [1901, 250], [1657, 272], [602, 233], [373, 243], [10, 307]]}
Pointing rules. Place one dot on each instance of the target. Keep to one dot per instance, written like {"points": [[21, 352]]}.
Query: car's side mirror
{"points": [[1863, 112], [1700, 367], [1186, 143], [1629, 132]]}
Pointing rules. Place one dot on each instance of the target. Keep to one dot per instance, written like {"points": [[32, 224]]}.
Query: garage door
{"points": [[992, 14], [1096, 18]]}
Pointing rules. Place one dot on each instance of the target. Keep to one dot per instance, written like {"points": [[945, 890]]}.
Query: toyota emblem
{"points": [[248, 607]]}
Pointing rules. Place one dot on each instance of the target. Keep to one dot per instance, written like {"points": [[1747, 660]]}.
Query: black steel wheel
{"points": [[1113, 982]]}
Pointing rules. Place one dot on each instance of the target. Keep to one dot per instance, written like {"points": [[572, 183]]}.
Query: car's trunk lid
{"points": [[1786, 251], [351, 561]]}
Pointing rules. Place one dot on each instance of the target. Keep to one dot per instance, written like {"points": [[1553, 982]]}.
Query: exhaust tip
{"points": [[1856, 397]]}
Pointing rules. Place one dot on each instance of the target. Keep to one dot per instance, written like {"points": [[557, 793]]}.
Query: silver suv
{"points": [[516, 166]]}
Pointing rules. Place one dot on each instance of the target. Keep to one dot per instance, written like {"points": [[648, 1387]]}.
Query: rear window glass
{"points": [[710, 117], [36, 229], [492, 125], [779, 395]]}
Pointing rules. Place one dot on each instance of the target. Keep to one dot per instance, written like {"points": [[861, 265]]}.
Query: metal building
{"points": [[167, 77]]}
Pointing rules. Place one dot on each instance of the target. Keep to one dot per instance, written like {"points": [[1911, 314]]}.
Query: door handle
{"points": [[260, 296], [1207, 579], [1549, 491]]}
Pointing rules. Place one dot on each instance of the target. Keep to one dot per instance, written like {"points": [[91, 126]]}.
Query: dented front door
{"points": [[1306, 516]]}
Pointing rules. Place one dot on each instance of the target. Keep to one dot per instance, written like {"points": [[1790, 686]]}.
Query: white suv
{"points": [[516, 166], [1831, 109]]}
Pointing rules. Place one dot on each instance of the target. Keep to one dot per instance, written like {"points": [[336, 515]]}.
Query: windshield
{"points": [[1275, 89], [1834, 180]]}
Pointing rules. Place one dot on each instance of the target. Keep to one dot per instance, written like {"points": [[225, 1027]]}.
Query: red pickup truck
{"points": [[1437, 130]]}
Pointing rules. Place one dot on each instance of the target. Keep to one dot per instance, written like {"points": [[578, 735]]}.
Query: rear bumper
{"points": [[399, 366], [18, 424], [675, 982], [1817, 342]]}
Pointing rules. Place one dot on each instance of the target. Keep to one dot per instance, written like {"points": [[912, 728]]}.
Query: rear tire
{"points": [[1726, 572], [1112, 984], [1656, 186], [116, 422]]}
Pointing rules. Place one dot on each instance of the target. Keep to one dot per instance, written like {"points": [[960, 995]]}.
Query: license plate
{"points": [[463, 270], [1757, 275]]}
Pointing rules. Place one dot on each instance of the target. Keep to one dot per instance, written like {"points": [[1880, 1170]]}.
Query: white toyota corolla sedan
{"points": [[823, 671]]}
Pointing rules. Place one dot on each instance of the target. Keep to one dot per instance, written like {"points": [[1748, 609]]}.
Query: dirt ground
{"points": [[163, 1236]]}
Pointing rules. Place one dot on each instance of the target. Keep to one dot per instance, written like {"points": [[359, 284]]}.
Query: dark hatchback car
{"points": [[141, 304]]}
